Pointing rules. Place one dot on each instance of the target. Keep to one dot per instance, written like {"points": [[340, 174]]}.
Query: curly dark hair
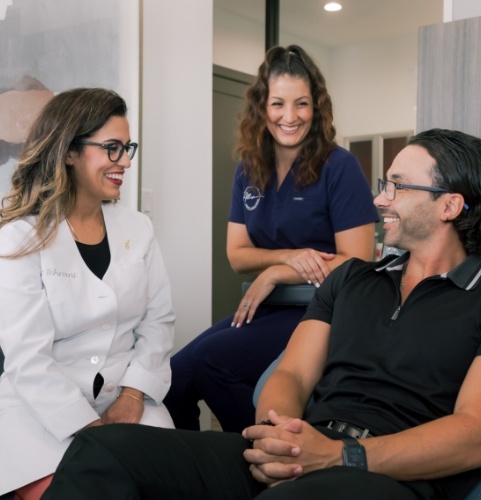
{"points": [[457, 168], [255, 144]]}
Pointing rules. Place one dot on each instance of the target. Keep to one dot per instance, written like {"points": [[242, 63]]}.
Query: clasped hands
{"points": [[288, 450]]}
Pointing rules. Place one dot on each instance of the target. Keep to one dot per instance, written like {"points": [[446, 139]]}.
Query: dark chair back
{"points": [[286, 295]]}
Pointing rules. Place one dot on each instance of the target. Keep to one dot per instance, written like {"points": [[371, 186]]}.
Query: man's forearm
{"points": [[441, 448], [289, 401]]}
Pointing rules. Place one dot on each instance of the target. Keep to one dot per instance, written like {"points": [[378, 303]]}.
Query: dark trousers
{"points": [[133, 462], [222, 366]]}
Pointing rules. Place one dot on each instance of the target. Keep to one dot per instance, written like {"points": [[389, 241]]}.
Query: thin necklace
{"points": [[76, 238], [71, 230]]}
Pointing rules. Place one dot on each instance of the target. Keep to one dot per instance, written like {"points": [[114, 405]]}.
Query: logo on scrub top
{"points": [[252, 197]]}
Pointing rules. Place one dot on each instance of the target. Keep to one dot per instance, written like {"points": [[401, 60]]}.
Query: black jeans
{"points": [[131, 462]]}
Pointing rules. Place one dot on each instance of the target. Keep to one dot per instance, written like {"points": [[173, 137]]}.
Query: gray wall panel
{"points": [[449, 76]]}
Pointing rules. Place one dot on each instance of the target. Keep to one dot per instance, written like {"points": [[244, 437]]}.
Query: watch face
{"points": [[354, 456]]}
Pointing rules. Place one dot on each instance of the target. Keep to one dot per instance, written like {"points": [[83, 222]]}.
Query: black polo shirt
{"points": [[391, 369]]}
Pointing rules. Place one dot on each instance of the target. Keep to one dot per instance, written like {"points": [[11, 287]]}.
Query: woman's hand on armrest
{"points": [[260, 288]]}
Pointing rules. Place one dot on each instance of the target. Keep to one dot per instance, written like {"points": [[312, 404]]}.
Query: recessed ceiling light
{"points": [[332, 6]]}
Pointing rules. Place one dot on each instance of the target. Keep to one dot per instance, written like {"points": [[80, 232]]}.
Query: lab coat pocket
{"points": [[131, 285]]}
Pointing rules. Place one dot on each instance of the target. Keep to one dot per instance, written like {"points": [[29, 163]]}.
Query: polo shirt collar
{"points": [[466, 276]]}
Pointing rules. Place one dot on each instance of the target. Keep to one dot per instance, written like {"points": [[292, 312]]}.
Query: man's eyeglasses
{"points": [[390, 187], [115, 149]]}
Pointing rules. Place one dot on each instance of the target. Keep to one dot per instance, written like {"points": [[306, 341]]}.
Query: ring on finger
{"points": [[246, 305]]}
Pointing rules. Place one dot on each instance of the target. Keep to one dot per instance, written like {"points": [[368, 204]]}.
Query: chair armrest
{"points": [[286, 295]]}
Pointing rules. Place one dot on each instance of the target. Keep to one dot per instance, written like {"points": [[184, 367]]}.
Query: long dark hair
{"points": [[255, 144]]}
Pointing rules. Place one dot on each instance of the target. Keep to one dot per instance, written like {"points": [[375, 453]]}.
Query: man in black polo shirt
{"points": [[389, 351]]}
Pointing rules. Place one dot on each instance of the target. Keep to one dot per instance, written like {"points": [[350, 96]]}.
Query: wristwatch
{"points": [[353, 454]]}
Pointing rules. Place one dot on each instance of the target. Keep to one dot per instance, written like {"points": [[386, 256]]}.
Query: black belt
{"points": [[349, 429]]}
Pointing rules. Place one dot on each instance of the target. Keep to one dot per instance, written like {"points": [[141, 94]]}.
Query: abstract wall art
{"points": [[49, 46]]}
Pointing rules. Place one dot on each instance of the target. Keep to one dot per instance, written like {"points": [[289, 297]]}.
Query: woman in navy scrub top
{"points": [[301, 206]]}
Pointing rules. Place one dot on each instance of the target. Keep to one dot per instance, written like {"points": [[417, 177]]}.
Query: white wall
{"points": [[176, 145], [464, 9], [237, 42], [455, 10], [373, 87]]}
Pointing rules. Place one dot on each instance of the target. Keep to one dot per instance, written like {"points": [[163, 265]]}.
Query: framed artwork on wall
{"points": [[53, 45]]}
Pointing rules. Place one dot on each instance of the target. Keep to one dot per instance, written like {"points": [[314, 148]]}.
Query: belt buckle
{"points": [[349, 429]]}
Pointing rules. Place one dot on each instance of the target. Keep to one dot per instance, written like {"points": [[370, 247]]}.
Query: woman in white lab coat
{"points": [[86, 322]]}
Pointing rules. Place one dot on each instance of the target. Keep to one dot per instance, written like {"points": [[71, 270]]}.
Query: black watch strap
{"points": [[353, 454]]}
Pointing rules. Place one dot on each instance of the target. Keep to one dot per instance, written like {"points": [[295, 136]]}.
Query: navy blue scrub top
{"points": [[306, 217]]}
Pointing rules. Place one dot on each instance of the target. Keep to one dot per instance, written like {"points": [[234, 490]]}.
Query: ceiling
{"points": [[359, 20]]}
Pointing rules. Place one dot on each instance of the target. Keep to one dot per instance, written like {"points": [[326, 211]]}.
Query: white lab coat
{"points": [[60, 325]]}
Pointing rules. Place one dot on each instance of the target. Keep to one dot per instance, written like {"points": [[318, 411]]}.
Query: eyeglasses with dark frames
{"points": [[115, 149], [390, 188]]}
